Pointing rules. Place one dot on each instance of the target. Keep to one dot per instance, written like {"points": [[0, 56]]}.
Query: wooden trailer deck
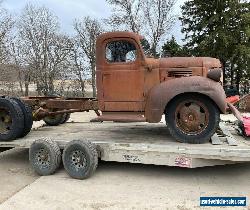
{"points": [[144, 143]]}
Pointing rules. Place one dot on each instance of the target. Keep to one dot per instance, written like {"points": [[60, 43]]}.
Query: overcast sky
{"points": [[68, 10]]}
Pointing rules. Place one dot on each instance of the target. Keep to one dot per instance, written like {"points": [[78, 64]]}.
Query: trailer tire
{"points": [[80, 159], [192, 118], [11, 120], [45, 156], [54, 120], [27, 113]]}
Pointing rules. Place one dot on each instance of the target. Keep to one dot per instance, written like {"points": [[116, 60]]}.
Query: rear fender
{"points": [[162, 94]]}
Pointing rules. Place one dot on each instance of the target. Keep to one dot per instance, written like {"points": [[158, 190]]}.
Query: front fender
{"points": [[162, 94]]}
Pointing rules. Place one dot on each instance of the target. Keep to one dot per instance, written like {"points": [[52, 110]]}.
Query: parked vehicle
{"points": [[134, 88]]}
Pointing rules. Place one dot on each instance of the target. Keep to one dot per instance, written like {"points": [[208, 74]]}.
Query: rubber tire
{"points": [[205, 135], [17, 117], [66, 117], [54, 122], [28, 117], [91, 156], [54, 153]]}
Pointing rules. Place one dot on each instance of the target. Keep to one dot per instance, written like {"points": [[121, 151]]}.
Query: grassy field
{"points": [[68, 88]]}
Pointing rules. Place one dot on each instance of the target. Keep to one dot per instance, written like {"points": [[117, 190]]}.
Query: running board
{"points": [[120, 117]]}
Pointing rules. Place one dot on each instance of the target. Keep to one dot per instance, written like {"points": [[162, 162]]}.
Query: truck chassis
{"points": [[51, 106]]}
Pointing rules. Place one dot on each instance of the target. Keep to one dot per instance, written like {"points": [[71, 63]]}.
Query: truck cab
{"points": [[133, 87]]}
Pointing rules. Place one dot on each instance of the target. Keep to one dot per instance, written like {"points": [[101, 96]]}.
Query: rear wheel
{"points": [[192, 118], [11, 120], [27, 113]]}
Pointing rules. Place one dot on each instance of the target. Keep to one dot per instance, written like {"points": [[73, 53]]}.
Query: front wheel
{"points": [[192, 118]]}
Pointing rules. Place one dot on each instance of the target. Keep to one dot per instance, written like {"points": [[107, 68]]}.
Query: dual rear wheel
{"points": [[15, 119]]}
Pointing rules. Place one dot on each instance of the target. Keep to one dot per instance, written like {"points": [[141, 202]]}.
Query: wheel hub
{"points": [[191, 117], [78, 159], [43, 158], [5, 121]]}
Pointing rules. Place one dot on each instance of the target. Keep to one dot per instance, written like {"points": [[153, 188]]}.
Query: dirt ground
{"points": [[116, 185]]}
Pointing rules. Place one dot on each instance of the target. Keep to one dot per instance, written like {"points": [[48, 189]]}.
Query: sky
{"points": [[68, 10]]}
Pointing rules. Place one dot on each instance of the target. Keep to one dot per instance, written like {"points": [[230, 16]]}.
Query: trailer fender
{"points": [[162, 94]]}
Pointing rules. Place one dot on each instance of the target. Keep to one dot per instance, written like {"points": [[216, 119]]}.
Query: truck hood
{"points": [[182, 62]]}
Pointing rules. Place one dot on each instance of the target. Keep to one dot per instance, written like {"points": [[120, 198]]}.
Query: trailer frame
{"points": [[144, 143]]}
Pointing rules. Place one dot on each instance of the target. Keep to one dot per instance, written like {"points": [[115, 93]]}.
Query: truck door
{"points": [[123, 76]]}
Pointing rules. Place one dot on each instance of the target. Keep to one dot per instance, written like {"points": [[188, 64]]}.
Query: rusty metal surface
{"points": [[215, 74], [127, 86], [162, 94], [120, 117], [119, 82], [186, 62], [49, 106], [72, 104], [191, 117]]}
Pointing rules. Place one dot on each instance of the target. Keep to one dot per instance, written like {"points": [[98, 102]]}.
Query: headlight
{"points": [[215, 74]]}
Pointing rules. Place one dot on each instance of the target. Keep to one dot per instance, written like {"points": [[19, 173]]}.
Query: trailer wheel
{"points": [[11, 120], [54, 120], [65, 118], [27, 113], [44, 156], [192, 118], [80, 159]]}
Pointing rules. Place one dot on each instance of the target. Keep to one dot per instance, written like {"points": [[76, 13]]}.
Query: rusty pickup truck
{"points": [[134, 88]]}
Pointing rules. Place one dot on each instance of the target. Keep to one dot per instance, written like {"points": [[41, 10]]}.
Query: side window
{"points": [[120, 51]]}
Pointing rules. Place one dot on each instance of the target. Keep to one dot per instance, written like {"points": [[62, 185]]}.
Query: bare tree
{"points": [[87, 31], [150, 17], [43, 50], [13, 55], [159, 19], [20, 56], [79, 66], [6, 24], [58, 55], [126, 13], [36, 29]]}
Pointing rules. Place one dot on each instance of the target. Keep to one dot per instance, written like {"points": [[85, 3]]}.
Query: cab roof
{"points": [[118, 34]]}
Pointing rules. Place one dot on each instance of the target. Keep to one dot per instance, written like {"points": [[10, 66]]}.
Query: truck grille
{"points": [[180, 73]]}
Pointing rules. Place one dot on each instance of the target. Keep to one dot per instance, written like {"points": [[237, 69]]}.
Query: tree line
{"points": [[42, 54]]}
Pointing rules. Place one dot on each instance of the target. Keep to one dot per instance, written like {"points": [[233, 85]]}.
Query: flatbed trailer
{"points": [[143, 143]]}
